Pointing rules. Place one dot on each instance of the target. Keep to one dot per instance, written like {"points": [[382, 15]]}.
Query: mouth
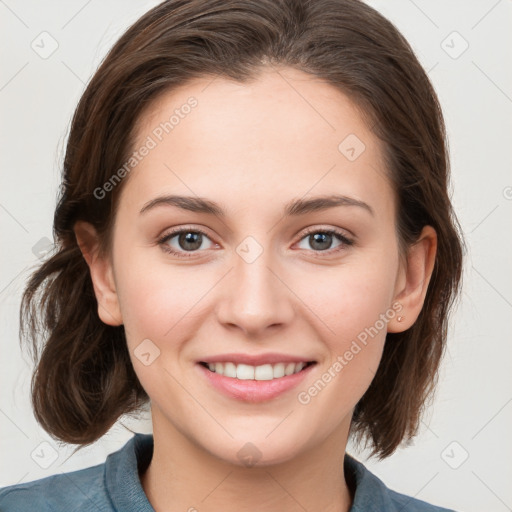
{"points": [[262, 372], [266, 379], [255, 384]]}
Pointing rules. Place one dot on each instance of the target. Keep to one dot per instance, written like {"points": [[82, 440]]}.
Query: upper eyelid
{"points": [[339, 231], [177, 230]]}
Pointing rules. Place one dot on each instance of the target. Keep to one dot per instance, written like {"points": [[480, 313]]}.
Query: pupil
{"points": [[194, 239], [317, 239]]}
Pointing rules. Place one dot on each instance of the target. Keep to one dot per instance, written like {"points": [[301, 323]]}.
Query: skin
{"points": [[252, 148]]}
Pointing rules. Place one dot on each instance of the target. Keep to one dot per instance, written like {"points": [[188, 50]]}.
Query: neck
{"points": [[183, 476]]}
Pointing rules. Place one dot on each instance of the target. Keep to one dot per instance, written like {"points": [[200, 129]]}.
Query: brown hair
{"points": [[84, 379]]}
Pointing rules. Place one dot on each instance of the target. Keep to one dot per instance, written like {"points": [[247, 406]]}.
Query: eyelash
{"points": [[346, 242]]}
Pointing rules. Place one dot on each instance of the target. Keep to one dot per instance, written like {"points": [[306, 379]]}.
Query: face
{"points": [[262, 279]]}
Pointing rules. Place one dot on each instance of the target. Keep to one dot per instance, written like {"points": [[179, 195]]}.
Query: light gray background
{"points": [[473, 408]]}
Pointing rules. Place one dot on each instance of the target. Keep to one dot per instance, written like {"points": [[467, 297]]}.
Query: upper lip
{"points": [[256, 359]]}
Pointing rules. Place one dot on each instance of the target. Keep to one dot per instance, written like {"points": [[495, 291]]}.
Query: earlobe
{"points": [[414, 280], [100, 268]]}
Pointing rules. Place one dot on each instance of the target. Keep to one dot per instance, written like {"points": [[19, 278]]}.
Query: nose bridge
{"points": [[257, 298]]}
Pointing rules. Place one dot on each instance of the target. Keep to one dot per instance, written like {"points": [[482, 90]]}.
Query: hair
{"points": [[84, 379]]}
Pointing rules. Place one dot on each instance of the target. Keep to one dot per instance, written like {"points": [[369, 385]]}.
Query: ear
{"points": [[100, 267], [413, 280]]}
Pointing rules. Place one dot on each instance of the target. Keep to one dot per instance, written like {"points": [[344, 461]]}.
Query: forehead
{"points": [[283, 134]]}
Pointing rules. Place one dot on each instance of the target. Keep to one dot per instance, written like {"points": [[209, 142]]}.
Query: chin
{"points": [[258, 450]]}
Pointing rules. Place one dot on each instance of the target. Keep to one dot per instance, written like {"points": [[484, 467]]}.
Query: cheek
{"points": [[158, 302], [162, 305], [353, 306], [349, 298]]}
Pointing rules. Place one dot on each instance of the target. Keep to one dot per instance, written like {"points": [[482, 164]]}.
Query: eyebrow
{"points": [[294, 208]]}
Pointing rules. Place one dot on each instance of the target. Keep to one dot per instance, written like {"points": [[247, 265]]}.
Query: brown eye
{"points": [[323, 240], [190, 241], [184, 242]]}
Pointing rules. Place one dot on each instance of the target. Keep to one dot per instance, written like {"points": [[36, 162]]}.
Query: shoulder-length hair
{"points": [[84, 380]]}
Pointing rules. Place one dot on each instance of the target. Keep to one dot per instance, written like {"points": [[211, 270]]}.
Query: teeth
{"points": [[263, 372], [243, 371], [230, 370]]}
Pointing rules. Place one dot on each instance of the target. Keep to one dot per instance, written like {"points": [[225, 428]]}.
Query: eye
{"points": [[321, 240], [183, 243]]}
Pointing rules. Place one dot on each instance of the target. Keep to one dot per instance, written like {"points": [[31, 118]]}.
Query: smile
{"points": [[262, 372]]}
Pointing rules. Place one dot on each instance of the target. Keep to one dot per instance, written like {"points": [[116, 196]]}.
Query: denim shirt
{"points": [[115, 486]]}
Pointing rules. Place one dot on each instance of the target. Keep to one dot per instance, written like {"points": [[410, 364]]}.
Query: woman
{"points": [[255, 235]]}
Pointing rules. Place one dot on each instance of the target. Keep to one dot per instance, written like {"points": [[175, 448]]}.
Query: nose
{"points": [[256, 297]]}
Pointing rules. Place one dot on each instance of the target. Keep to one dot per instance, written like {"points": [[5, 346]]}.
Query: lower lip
{"points": [[254, 390]]}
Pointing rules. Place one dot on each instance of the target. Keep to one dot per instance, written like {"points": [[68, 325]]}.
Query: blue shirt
{"points": [[115, 486]]}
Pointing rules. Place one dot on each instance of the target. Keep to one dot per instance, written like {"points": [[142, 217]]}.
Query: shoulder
{"points": [[404, 502], [113, 485], [372, 495], [81, 490]]}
